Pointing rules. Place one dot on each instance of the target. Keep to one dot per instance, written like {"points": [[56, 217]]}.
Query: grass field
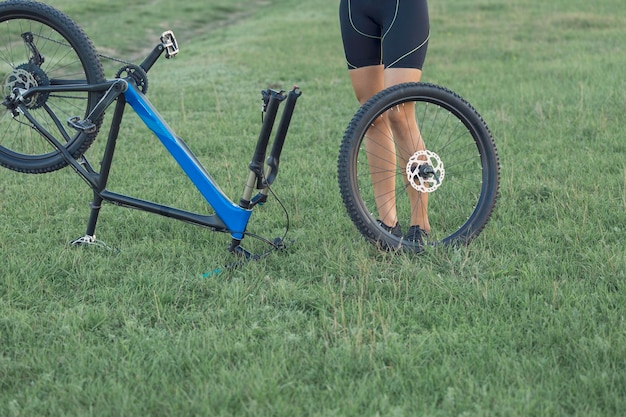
{"points": [[528, 320]]}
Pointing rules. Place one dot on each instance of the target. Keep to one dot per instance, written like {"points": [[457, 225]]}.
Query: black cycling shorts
{"points": [[393, 33]]}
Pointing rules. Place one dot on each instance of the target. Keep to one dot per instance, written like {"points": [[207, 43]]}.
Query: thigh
{"points": [[367, 81], [395, 76]]}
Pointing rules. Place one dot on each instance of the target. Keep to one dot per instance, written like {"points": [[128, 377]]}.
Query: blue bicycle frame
{"points": [[229, 217], [235, 218]]}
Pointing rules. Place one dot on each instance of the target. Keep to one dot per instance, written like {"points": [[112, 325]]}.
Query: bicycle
{"points": [[56, 94], [454, 178]]}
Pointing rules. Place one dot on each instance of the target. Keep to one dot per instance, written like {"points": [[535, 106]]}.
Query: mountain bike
{"points": [[446, 174], [55, 95]]}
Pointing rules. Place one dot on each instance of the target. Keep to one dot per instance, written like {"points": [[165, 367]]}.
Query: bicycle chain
{"points": [[99, 55]]}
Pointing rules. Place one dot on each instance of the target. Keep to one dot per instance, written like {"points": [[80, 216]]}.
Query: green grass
{"points": [[526, 321]]}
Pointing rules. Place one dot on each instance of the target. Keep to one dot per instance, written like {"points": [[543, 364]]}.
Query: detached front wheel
{"points": [[419, 154]]}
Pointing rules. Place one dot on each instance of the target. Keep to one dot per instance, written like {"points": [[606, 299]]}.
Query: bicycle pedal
{"points": [[88, 240], [85, 126], [169, 42]]}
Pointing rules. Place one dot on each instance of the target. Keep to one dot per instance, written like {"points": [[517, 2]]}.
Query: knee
{"points": [[398, 117]]}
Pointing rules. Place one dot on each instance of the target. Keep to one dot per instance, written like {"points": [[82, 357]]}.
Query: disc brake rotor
{"points": [[425, 171]]}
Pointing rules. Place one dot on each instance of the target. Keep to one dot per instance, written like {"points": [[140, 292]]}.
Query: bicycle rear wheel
{"points": [[454, 179], [40, 46]]}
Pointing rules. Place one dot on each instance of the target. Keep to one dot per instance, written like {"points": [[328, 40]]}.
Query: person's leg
{"points": [[408, 140], [367, 81]]}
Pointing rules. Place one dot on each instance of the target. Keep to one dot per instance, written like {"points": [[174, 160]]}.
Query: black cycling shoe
{"points": [[395, 230], [415, 235]]}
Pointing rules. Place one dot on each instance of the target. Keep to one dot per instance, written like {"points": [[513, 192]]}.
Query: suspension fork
{"points": [[257, 179]]}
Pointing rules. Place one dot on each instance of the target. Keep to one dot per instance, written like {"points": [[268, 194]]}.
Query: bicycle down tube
{"points": [[235, 218]]}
